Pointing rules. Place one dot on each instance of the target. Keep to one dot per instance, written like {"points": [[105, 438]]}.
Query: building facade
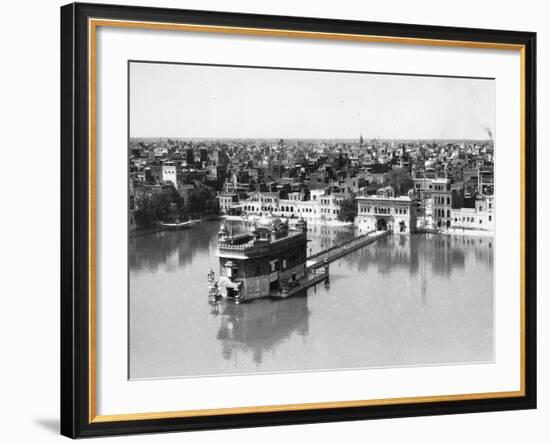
{"points": [[442, 202], [319, 208], [171, 174], [229, 202], [480, 217], [268, 259], [385, 211]]}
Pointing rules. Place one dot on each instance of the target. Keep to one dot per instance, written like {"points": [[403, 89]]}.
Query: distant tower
{"points": [[361, 141]]}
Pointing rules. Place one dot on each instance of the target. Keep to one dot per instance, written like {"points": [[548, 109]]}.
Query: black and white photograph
{"points": [[275, 221], [294, 220]]}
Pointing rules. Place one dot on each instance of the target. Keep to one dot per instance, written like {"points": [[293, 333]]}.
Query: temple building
{"points": [[385, 211], [268, 259]]}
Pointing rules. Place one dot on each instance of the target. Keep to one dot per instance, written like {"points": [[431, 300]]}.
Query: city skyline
{"points": [[217, 102]]}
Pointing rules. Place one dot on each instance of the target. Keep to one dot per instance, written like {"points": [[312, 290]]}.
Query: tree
{"points": [[158, 207], [202, 200], [400, 180], [348, 210], [144, 218]]}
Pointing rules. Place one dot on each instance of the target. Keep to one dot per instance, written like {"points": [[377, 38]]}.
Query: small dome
{"points": [[385, 192], [223, 228], [270, 222]]}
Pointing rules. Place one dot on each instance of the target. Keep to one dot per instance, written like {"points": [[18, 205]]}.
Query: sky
{"points": [[189, 101]]}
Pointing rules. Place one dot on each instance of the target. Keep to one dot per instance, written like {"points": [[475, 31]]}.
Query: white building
{"points": [[307, 209], [385, 211], [480, 217], [321, 207], [316, 194], [330, 206], [259, 203], [228, 202], [442, 201], [170, 174]]}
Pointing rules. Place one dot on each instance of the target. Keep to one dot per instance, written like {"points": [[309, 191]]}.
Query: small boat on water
{"points": [[179, 225]]}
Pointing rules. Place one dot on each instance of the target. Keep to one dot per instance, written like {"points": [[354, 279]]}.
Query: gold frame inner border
{"points": [[93, 24]]}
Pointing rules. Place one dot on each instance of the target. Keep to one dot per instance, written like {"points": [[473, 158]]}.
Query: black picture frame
{"points": [[75, 220]]}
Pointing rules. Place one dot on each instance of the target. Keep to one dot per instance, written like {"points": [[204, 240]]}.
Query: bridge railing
{"points": [[349, 243]]}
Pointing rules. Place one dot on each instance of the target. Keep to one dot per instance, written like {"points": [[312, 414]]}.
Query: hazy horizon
{"points": [[213, 102]]}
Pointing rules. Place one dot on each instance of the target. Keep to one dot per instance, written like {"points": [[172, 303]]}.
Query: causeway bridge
{"points": [[318, 264], [333, 253]]}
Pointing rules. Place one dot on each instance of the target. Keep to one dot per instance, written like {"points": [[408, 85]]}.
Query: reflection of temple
{"points": [[261, 325]]}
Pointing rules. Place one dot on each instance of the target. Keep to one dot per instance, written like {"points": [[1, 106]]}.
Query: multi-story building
{"points": [[264, 261], [321, 207], [330, 206], [485, 178], [171, 173], [385, 211], [442, 202], [261, 202], [479, 217], [228, 202], [307, 209]]}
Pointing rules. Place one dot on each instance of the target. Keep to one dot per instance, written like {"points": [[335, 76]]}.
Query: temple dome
{"points": [[385, 192], [270, 222], [223, 229]]}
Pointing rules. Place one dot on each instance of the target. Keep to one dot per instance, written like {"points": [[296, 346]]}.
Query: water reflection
{"points": [[164, 250], [444, 254], [171, 250], [420, 299], [261, 325]]}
